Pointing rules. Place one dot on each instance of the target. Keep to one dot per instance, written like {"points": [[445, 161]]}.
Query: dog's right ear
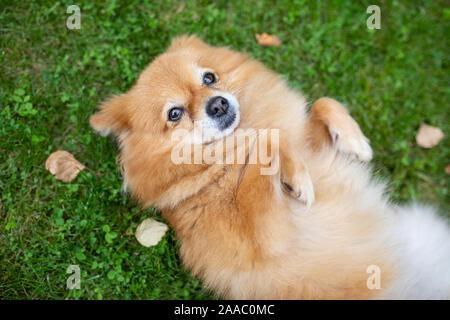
{"points": [[113, 116]]}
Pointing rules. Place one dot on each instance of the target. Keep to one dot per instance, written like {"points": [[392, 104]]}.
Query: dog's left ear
{"points": [[186, 41], [113, 116]]}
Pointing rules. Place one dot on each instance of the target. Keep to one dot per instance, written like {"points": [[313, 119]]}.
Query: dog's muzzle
{"points": [[218, 109]]}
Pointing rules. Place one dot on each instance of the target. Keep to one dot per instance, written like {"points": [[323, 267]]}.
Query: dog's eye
{"points": [[209, 78], [175, 114]]}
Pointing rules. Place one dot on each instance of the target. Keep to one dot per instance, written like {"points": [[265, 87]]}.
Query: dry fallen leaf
{"points": [[150, 232], [428, 136], [447, 169], [63, 165], [268, 40]]}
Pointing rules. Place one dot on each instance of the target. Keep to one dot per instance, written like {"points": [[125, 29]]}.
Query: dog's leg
{"points": [[294, 174], [330, 124]]}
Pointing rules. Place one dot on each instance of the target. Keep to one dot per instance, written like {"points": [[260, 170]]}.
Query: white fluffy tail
{"points": [[424, 254]]}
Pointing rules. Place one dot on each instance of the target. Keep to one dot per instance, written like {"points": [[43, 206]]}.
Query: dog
{"points": [[318, 227]]}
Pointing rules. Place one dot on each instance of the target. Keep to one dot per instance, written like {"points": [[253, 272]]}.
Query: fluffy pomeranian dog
{"points": [[317, 227]]}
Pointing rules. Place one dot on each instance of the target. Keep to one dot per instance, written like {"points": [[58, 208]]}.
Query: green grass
{"points": [[52, 78]]}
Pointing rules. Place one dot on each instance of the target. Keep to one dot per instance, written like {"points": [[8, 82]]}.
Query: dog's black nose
{"points": [[217, 106]]}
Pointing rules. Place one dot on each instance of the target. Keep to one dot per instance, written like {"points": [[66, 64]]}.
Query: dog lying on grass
{"points": [[320, 227]]}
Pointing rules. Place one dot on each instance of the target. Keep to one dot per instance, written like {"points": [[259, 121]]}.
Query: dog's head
{"points": [[193, 87]]}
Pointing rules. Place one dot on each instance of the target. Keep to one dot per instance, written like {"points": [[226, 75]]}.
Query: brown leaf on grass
{"points": [[447, 169], [150, 232], [180, 8], [268, 40], [63, 165], [428, 136]]}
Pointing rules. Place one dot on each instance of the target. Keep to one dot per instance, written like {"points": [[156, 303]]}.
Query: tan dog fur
{"points": [[240, 232]]}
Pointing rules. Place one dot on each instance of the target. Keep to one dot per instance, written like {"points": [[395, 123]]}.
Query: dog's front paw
{"points": [[300, 187], [345, 134], [350, 140]]}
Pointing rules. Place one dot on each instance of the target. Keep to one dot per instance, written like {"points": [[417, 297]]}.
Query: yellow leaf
{"points": [[63, 165], [268, 40], [150, 232], [428, 136]]}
